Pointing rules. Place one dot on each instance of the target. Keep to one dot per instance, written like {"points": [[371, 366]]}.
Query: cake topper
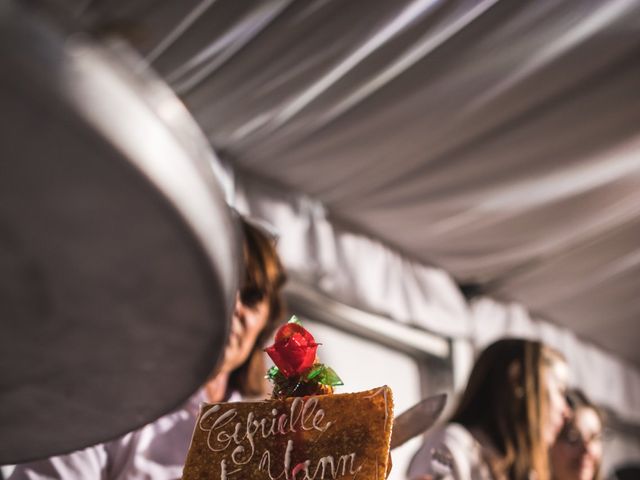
{"points": [[297, 371]]}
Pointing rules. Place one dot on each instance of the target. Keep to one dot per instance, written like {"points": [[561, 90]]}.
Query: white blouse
{"points": [[156, 451], [450, 452]]}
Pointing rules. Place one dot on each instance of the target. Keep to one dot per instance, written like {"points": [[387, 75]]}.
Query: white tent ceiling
{"points": [[497, 140]]}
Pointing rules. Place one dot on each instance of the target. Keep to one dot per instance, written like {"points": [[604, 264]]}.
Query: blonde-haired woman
{"points": [[509, 415]]}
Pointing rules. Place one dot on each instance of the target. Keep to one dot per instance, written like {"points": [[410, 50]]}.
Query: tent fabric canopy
{"points": [[354, 269], [357, 270], [497, 141]]}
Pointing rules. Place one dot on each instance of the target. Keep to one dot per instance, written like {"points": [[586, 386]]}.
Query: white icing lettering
{"points": [[317, 419], [223, 470], [303, 415], [344, 466], [282, 424], [226, 431]]}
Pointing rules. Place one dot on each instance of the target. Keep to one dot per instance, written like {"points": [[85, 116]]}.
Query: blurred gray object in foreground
{"points": [[118, 255]]}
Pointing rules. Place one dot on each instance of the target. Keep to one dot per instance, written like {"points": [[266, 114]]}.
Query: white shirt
{"points": [[156, 451], [450, 452]]}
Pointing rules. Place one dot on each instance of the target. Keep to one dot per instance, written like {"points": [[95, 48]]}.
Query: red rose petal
{"points": [[294, 351]]}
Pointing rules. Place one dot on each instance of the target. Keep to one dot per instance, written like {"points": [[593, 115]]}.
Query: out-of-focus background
{"points": [[439, 173]]}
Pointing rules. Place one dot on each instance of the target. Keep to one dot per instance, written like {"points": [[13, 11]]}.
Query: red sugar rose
{"points": [[294, 351]]}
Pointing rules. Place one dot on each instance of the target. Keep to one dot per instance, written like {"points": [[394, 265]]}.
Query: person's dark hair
{"points": [[577, 399], [263, 276], [506, 399], [629, 471]]}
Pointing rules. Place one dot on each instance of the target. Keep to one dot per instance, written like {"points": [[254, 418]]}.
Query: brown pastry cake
{"points": [[341, 436]]}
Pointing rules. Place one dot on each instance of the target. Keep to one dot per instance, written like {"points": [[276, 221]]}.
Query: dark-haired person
{"points": [[158, 450], [577, 453], [509, 415]]}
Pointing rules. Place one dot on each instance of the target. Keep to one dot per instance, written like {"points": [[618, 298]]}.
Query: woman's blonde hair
{"points": [[506, 398], [263, 276]]}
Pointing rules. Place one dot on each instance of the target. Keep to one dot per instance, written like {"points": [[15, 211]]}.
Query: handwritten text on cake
{"points": [[227, 433]]}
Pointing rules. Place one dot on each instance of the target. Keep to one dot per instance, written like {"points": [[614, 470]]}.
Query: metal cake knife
{"points": [[417, 419]]}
